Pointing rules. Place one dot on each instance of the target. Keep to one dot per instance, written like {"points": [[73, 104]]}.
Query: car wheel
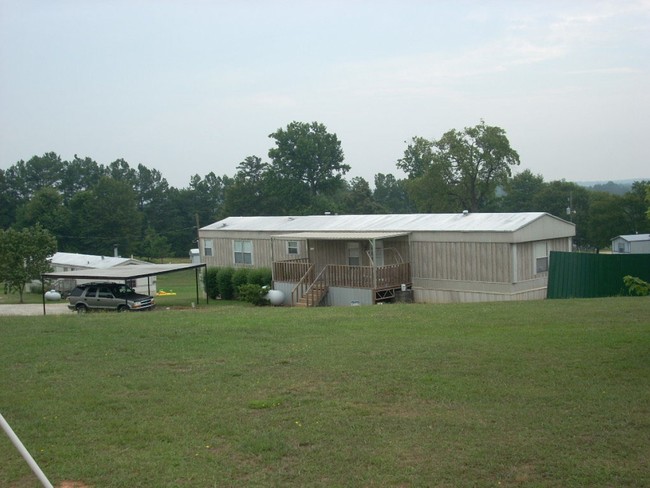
{"points": [[81, 308], [122, 308]]}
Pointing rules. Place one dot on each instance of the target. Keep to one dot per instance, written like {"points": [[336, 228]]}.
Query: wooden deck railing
{"points": [[290, 271], [300, 271], [303, 285], [391, 276], [349, 276]]}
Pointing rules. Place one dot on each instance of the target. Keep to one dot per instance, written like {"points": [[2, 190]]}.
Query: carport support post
{"points": [[43, 292], [196, 279], [373, 243]]}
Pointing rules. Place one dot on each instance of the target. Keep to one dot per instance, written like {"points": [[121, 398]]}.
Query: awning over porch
{"points": [[341, 236]]}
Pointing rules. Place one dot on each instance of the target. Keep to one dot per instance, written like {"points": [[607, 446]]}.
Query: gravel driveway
{"points": [[34, 309]]}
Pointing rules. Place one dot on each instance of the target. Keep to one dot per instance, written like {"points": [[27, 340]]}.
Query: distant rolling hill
{"points": [[618, 187]]}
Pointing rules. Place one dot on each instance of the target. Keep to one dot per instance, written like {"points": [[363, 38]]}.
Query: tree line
{"points": [[90, 207]]}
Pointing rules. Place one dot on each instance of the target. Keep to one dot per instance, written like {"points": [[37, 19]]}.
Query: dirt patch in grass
{"points": [[73, 484]]}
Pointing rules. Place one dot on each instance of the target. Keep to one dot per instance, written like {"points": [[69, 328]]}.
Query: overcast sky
{"points": [[189, 87]]}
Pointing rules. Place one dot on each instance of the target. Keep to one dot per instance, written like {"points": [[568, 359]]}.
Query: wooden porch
{"points": [[311, 287]]}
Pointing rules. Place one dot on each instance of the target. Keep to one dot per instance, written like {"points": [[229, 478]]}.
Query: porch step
{"points": [[313, 297]]}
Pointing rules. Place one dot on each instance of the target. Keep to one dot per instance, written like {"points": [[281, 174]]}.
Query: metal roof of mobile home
{"points": [[458, 222]]}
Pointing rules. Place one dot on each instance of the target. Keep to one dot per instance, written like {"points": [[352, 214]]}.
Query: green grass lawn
{"points": [[14, 298], [541, 394]]}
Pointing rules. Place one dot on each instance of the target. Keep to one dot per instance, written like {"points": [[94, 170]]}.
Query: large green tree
{"points": [[462, 169], [520, 192], [154, 246], [635, 207], [150, 187], [8, 203], [121, 170], [390, 193], [80, 174], [26, 178], [23, 256], [357, 198], [47, 209], [606, 219], [568, 201], [306, 154], [105, 216], [248, 195], [178, 220], [207, 195], [418, 157]]}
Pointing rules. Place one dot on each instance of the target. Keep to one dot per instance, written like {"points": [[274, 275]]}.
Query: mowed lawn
{"points": [[545, 393]]}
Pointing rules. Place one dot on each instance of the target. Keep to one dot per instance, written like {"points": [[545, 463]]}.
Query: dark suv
{"points": [[108, 296]]}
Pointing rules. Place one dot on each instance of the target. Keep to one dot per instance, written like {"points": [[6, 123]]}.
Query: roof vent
{"points": [[465, 213]]}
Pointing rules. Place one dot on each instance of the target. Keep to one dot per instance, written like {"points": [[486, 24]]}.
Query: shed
{"points": [[350, 259], [195, 256], [631, 244]]}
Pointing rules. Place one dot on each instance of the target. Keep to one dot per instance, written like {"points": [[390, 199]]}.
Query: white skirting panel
{"points": [[421, 295]]}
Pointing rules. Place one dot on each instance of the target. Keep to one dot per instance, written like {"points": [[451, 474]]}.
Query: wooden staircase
{"points": [[313, 296]]}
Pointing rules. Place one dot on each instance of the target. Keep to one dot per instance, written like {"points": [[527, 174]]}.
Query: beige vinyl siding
{"points": [[335, 251], [223, 253], [401, 245], [281, 250], [463, 261], [526, 257]]}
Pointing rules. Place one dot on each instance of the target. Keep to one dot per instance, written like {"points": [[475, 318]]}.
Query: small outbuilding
{"points": [[195, 256], [366, 259], [631, 244]]}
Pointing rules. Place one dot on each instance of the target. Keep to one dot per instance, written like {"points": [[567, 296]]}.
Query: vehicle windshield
{"points": [[123, 290]]}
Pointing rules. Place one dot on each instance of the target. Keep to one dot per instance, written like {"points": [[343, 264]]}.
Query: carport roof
{"points": [[127, 272]]}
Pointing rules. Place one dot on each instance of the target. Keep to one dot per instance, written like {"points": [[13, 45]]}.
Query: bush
{"points": [[253, 293], [224, 282], [36, 288], [636, 286], [210, 282], [239, 278], [260, 276]]}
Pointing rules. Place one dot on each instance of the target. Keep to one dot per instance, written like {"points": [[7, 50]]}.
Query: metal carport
{"points": [[126, 273]]}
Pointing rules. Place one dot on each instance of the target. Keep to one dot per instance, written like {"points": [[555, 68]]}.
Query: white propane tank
{"points": [[276, 297], [52, 295]]}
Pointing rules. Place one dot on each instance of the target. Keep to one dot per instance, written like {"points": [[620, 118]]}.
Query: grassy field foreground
{"points": [[547, 393]]}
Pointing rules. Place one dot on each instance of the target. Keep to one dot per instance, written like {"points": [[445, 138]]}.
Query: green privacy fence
{"points": [[580, 275]]}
